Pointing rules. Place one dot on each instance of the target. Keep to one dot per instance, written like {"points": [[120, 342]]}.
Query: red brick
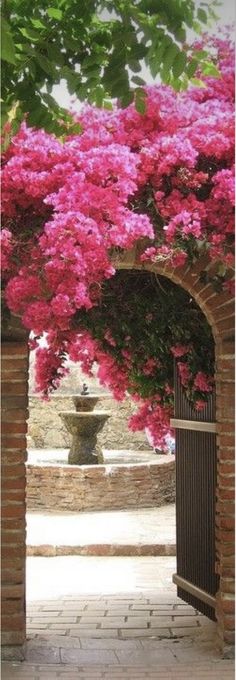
{"points": [[226, 376], [17, 494], [10, 458], [207, 294], [13, 551], [11, 575], [12, 402], [225, 493], [13, 621], [226, 325], [12, 524], [12, 606], [226, 428], [225, 507], [228, 622], [225, 389], [13, 638], [227, 585], [225, 536], [12, 592], [15, 471], [13, 537], [228, 606], [14, 388], [224, 357], [14, 483], [14, 377], [224, 311], [226, 522], [16, 349], [14, 428], [15, 415], [228, 562], [226, 454], [226, 481], [229, 637], [227, 549], [13, 364], [227, 468], [14, 441], [17, 510]]}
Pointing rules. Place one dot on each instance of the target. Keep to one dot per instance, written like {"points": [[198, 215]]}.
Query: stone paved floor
{"points": [[100, 618], [150, 530]]}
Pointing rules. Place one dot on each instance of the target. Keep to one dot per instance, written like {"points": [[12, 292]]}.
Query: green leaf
{"points": [[134, 66], [30, 33], [140, 100], [180, 35], [45, 64], [55, 54], [192, 67], [197, 27], [76, 129], [158, 47], [138, 51], [197, 82], [7, 44], [138, 81], [200, 54], [154, 67], [156, 54], [179, 64], [49, 100], [170, 55], [37, 23], [202, 16], [127, 98], [54, 13], [107, 104], [209, 69]]}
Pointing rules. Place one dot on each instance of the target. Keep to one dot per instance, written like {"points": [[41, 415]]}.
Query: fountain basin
{"points": [[84, 402]]}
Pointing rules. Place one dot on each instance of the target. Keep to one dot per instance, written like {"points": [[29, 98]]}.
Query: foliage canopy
{"points": [[97, 47]]}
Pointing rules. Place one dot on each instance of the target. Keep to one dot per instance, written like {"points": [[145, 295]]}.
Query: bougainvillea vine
{"points": [[166, 175]]}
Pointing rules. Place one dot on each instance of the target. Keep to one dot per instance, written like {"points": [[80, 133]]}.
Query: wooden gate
{"points": [[196, 580]]}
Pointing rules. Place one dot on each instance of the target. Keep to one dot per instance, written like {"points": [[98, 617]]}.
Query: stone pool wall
{"points": [[100, 487]]}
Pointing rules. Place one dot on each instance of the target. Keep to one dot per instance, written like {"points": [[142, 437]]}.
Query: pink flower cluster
{"points": [[192, 382], [6, 249], [155, 419], [67, 205]]}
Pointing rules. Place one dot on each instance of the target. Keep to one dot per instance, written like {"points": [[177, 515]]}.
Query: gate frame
{"points": [[219, 312]]}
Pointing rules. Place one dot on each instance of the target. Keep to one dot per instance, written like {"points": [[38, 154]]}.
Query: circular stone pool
{"points": [[126, 479]]}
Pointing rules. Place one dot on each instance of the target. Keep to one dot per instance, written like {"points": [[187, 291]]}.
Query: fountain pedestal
{"points": [[84, 427]]}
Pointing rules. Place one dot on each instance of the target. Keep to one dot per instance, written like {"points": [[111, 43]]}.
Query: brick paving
{"points": [[110, 624], [66, 639], [121, 617], [221, 671]]}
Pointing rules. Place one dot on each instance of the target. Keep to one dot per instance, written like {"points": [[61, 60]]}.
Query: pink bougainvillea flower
{"points": [[166, 176], [202, 382], [180, 350]]}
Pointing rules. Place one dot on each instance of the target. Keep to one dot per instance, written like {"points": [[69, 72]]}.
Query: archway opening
{"points": [[166, 309]]}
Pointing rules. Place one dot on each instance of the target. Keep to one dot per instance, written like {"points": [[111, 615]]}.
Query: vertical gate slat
{"points": [[195, 501]]}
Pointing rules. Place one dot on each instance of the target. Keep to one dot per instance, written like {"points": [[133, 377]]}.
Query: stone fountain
{"points": [[84, 425]]}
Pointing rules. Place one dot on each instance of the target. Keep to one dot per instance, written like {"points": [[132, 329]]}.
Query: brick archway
{"points": [[219, 311]]}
